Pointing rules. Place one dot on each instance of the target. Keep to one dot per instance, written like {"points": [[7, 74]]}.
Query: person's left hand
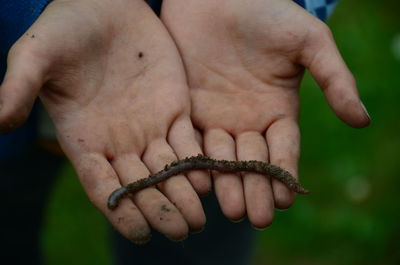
{"points": [[245, 61]]}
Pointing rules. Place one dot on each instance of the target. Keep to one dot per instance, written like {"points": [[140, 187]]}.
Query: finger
{"points": [[157, 209], [283, 138], [22, 83], [323, 59], [257, 188], [177, 188], [182, 139], [99, 179], [218, 144]]}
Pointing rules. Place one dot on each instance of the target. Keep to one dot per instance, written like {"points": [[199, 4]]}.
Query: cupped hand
{"points": [[113, 82], [244, 62]]}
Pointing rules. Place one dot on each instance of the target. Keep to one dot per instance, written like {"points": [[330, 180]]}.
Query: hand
{"points": [[244, 62], [112, 80]]}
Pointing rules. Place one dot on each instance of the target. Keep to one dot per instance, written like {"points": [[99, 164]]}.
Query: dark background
{"points": [[352, 214]]}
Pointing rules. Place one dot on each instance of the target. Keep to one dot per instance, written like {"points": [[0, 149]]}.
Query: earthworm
{"points": [[206, 163]]}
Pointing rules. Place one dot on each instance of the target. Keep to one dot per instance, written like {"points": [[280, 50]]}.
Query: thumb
{"points": [[22, 83], [326, 65]]}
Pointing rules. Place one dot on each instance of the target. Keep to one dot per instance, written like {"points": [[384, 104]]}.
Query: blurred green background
{"points": [[352, 215]]}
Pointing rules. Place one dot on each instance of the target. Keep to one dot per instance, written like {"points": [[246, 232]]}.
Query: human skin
{"points": [[114, 85], [207, 163], [244, 62]]}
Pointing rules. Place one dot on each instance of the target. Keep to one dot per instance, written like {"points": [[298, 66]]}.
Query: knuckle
{"points": [[21, 49], [16, 49], [324, 31], [320, 33]]}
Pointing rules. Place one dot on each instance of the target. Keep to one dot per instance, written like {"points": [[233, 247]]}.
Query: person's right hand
{"points": [[112, 80]]}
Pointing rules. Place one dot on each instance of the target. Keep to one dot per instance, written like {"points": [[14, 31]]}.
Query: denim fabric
{"points": [[319, 8]]}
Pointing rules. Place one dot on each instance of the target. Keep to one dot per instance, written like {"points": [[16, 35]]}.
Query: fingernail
{"points": [[178, 239], [259, 228], [365, 110], [141, 241], [238, 220]]}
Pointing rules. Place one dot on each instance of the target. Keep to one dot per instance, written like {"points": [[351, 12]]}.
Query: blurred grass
{"points": [[74, 232], [351, 215]]}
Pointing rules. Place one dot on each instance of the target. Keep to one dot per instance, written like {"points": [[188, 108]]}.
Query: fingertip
{"points": [[262, 220], [19, 90], [140, 236], [352, 112], [197, 224], [366, 119], [238, 220], [178, 238], [12, 116], [197, 231], [360, 123], [234, 209], [230, 196], [284, 198], [128, 221], [179, 233]]}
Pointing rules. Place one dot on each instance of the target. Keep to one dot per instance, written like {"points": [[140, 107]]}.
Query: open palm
{"points": [[244, 62], [112, 80]]}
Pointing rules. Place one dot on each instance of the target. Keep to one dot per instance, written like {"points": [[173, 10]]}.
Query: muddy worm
{"points": [[206, 163]]}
